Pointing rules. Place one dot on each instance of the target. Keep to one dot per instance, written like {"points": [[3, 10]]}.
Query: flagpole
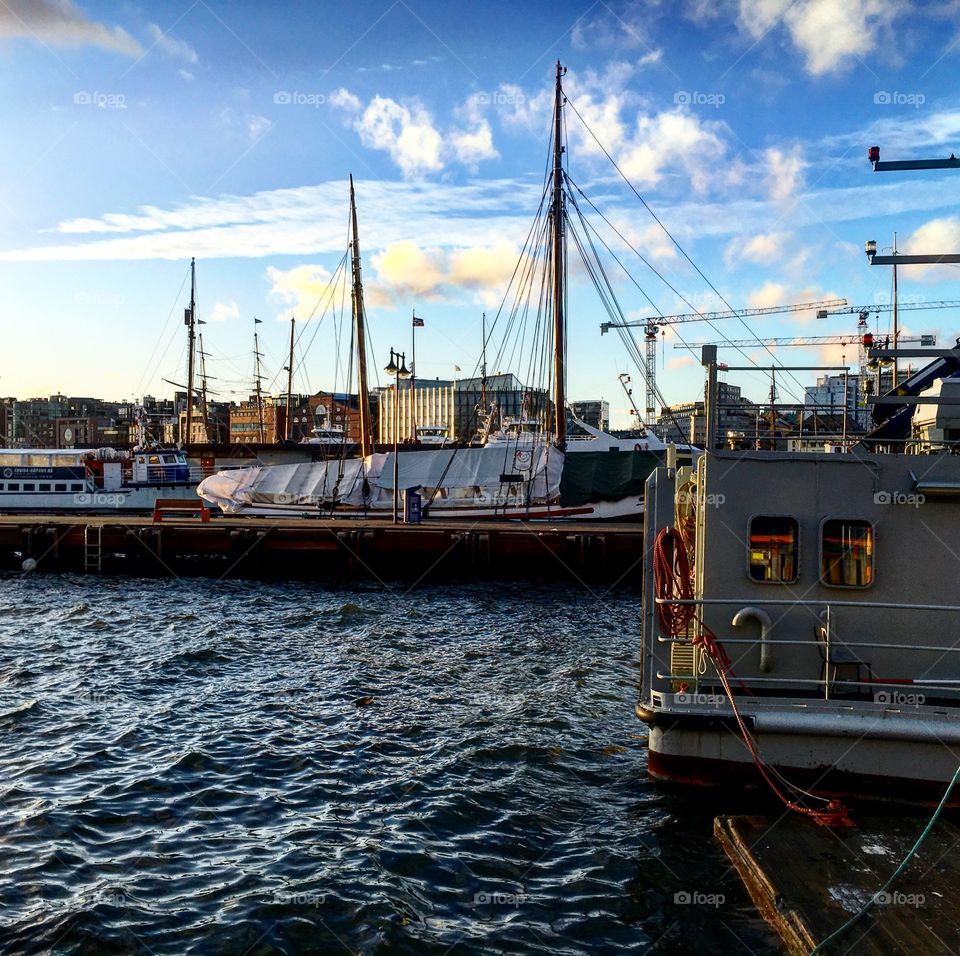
{"points": [[413, 377]]}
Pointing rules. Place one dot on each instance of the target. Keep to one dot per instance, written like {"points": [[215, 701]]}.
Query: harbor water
{"points": [[192, 766]]}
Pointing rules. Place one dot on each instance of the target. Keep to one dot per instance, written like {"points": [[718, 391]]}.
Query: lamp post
{"points": [[396, 372]]}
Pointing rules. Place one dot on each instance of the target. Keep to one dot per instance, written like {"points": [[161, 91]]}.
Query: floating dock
{"points": [[808, 880], [305, 548]]}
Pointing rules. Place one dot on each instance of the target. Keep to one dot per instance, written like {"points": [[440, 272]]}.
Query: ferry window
{"points": [[154, 459], [846, 553], [13, 486], [59, 487], [76, 487], [774, 549], [29, 487], [44, 487]]}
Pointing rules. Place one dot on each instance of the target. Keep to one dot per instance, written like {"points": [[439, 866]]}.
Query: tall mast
{"points": [[257, 385], [190, 321], [366, 443], [559, 266], [203, 391], [483, 363], [286, 430]]}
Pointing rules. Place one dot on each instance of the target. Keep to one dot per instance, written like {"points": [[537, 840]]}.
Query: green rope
{"points": [[836, 934]]}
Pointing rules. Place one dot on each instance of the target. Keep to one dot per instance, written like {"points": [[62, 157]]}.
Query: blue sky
{"points": [[139, 134]]}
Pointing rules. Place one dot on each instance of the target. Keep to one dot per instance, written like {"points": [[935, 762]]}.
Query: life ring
{"points": [[521, 457]]}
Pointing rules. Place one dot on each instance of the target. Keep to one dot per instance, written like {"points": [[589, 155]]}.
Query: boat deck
{"points": [[312, 547], [808, 880]]}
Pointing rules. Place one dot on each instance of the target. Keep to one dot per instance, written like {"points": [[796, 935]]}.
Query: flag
{"points": [[456, 368], [417, 322], [257, 321]]}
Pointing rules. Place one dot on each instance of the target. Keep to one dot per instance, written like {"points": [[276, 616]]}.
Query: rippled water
{"points": [[209, 767]]}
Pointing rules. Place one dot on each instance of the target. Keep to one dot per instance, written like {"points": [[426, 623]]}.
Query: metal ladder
{"points": [[92, 547]]}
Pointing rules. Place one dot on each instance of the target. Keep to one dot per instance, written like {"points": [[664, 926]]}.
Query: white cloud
{"points": [[60, 23], [681, 361], [829, 34], [300, 290], [343, 99], [407, 134], [185, 75], [171, 46], [764, 249], [473, 145], [223, 311], [784, 176], [769, 294], [257, 125], [938, 236]]}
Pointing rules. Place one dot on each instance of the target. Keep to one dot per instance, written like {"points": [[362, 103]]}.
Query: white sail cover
{"points": [[448, 477]]}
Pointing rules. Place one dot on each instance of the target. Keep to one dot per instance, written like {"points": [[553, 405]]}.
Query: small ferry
{"points": [[91, 479]]}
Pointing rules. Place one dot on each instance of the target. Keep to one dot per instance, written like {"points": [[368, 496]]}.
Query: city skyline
{"points": [[142, 135]]}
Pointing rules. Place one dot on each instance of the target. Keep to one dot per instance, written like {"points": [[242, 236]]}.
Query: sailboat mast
{"points": [[203, 391], [559, 267], [257, 386], [366, 443], [190, 320], [286, 430]]}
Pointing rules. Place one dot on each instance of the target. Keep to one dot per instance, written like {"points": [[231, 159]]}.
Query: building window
{"points": [[846, 553], [774, 549]]}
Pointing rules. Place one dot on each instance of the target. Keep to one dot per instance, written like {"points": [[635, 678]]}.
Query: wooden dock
{"points": [[808, 880], [307, 548]]}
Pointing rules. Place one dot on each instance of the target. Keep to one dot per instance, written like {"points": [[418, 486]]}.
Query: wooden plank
{"points": [[807, 880]]}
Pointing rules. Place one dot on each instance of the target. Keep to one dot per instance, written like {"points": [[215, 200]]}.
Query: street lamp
{"points": [[397, 373]]}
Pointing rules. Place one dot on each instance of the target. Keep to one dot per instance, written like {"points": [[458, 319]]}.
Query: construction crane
{"points": [[653, 325]]}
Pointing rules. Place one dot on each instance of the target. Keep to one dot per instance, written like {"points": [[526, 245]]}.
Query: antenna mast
{"points": [[366, 442], [203, 391]]}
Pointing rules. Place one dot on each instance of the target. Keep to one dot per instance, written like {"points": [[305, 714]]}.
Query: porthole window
{"points": [[846, 553], [774, 549]]}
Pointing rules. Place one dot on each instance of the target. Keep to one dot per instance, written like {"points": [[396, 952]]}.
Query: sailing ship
{"points": [[798, 628], [531, 469]]}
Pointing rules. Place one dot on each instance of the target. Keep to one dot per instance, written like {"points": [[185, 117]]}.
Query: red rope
{"points": [[672, 583]]}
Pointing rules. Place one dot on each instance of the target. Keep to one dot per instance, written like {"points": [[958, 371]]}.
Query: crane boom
{"points": [[888, 307], [653, 324], [802, 340]]}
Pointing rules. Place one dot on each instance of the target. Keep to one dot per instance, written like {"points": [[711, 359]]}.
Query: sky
{"points": [[140, 134]]}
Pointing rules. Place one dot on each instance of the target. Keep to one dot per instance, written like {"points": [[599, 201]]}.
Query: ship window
{"points": [[154, 459], [13, 486], [60, 487], [29, 487], [774, 549], [76, 487], [44, 487], [846, 553]]}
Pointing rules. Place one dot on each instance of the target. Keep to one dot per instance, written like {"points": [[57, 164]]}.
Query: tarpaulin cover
{"points": [[606, 475]]}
